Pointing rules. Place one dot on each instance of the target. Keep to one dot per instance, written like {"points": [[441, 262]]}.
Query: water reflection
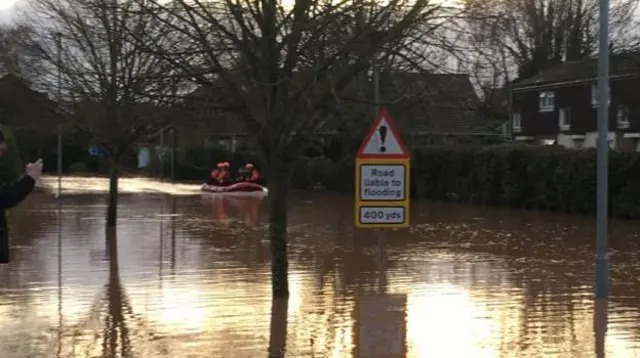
{"points": [[278, 328], [225, 208], [116, 340], [381, 327], [465, 282], [600, 321]]}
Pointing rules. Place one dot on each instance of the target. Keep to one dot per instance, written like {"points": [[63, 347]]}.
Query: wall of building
{"points": [[567, 141], [577, 98]]}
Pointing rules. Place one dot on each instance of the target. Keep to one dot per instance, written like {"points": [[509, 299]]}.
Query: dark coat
{"points": [[11, 196]]}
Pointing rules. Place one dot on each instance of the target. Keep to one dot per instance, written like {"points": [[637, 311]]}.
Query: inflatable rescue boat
{"points": [[241, 187]]}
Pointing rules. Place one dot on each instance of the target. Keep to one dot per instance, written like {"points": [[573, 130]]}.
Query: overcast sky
{"points": [[6, 13]]}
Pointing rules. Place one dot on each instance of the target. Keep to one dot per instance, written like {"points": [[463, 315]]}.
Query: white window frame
{"points": [[547, 101], [564, 119], [623, 117], [516, 122], [594, 95]]}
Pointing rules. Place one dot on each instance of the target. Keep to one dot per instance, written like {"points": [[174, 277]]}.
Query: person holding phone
{"points": [[12, 195]]}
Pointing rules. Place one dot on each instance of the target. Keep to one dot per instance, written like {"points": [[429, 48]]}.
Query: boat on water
{"points": [[236, 188]]}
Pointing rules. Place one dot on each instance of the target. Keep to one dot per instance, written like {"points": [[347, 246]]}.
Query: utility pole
{"points": [[173, 154], [59, 95], [381, 235], [162, 154], [602, 264], [376, 86]]}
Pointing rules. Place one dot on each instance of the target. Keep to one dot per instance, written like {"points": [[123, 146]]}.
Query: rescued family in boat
{"points": [[222, 175]]}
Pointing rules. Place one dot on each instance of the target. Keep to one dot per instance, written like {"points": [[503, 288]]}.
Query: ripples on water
{"points": [[188, 276]]}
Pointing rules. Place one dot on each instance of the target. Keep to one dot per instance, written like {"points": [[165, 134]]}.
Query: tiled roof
{"points": [[439, 104], [23, 102], [620, 64], [419, 102]]}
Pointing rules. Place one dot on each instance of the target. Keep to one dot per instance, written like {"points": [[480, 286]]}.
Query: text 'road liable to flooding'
{"points": [[382, 182]]}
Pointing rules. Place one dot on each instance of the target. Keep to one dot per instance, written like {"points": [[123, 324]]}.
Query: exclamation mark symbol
{"points": [[383, 136]]}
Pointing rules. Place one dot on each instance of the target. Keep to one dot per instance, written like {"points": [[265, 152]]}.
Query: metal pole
{"points": [[173, 154], [380, 234], [376, 87], [59, 90], [162, 155], [60, 304], [602, 266]]}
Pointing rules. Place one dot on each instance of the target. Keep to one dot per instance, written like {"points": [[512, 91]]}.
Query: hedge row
{"points": [[534, 177], [513, 175]]}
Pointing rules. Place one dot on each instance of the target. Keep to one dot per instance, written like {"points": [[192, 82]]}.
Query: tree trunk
{"points": [[278, 188], [112, 201], [278, 331]]}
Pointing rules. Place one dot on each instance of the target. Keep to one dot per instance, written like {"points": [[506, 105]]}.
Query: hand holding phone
{"points": [[34, 170]]}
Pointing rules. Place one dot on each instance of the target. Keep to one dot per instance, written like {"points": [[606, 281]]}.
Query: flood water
{"points": [[187, 275]]}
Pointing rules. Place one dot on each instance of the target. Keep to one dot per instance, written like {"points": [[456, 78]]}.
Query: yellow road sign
{"points": [[382, 178]]}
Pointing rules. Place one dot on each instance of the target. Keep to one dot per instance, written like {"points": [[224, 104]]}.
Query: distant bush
{"points": [[508, 174], [535, 177]]}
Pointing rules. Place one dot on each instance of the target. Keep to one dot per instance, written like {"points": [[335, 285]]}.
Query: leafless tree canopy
{"points": [[15, 58], [533, 35], [280, 66], [92, 46]]}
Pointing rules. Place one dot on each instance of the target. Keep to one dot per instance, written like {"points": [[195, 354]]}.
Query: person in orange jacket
{"points": [[254, 175], [216, 175], [225, 177]]}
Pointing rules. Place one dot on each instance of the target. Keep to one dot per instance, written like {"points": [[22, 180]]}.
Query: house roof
{"points": [[24, 106], [419, 102], [621, 64], [439, 104]]}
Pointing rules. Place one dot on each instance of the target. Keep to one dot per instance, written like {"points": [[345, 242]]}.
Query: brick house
{"points": [[560, 106]]}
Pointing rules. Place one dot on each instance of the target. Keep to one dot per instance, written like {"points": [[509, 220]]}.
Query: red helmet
{"points": [[249, 166], [220, 165]]}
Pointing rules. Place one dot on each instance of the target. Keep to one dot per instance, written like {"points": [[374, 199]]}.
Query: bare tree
{"points": [[90, 55], [280, 67], [12, 54], [539, 34]]}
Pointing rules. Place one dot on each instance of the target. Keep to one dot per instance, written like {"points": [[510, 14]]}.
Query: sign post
{"points": [[382, 178]]}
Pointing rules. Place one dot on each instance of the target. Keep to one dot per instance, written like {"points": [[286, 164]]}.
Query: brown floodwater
{"points": [[187, 275]]}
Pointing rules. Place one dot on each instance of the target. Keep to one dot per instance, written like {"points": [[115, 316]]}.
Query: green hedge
{"points": [[512, 175], [534, 177]]}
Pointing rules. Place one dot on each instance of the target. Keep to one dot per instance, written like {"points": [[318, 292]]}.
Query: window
{"points": [[564, 119], [516, 122], [547, 101], [624, 117], [594, 95]]}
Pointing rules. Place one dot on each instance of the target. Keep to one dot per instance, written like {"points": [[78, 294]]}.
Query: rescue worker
{"points": [[243, 175], [225, 177], [253, 174], [216, 175]]}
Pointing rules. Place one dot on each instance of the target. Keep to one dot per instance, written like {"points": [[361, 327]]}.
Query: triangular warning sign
{"points": [[382, 141]]}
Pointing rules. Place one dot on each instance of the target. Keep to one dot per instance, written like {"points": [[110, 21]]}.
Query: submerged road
{"points": [[187, 275]]}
